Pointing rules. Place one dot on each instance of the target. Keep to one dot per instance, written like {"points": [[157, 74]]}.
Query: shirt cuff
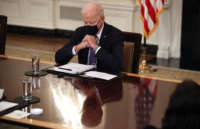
{"points": [[97, 49], [73, 51]]}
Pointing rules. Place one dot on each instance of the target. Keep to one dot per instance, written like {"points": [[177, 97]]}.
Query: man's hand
{"points": [[92, 42], [88, 41], [81, 45]]}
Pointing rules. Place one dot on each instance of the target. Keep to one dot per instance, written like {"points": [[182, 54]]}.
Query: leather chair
{"points": [[3, 32], [131, 51]]}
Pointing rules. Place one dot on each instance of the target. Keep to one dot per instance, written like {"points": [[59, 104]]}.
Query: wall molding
{"points": [[40, 31]]}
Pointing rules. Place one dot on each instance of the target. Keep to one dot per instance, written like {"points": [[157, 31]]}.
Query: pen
{"points": [[66, 69]]}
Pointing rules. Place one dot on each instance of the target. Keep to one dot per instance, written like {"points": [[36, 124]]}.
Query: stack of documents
{"points": [[100, 75], [18, 114], [84, 70], [4, 105], [74, 68]]}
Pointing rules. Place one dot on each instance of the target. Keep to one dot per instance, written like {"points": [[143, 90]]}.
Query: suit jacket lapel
{"points": [[104, 34]]}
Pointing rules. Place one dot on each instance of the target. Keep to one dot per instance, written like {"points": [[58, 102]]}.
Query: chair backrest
{"points": [[3, 33], [131, 51]]}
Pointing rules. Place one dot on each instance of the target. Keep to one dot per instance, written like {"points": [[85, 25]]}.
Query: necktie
{"points": [[92, 58]]}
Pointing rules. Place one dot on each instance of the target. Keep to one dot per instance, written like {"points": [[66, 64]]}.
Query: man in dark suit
{"points": [[96, 38]]}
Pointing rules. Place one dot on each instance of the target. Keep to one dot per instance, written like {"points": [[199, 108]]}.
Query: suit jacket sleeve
{"points": [[111, 52], [64, 54]]}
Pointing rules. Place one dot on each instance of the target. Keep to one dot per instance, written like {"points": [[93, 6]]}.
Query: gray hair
{"points": [[99, 9]]}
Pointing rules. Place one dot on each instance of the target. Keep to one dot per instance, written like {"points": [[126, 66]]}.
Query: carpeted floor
{"points": [[174, 73], [28, 45]]}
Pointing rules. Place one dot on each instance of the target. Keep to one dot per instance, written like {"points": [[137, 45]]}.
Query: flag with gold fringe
{"points": [[150, 11]]}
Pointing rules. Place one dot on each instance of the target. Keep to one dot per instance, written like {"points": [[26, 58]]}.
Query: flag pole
{"points": [[144, 67], [148, 16], [145, 44]]}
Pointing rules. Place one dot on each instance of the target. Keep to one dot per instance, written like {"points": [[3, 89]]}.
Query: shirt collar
{"points": [[100, 33]]}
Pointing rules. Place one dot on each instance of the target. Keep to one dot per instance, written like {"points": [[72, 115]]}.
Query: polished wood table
{"points": [[130, 102]]}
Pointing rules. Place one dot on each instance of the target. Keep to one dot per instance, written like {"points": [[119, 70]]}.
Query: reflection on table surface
{"points": [[80, 103]]}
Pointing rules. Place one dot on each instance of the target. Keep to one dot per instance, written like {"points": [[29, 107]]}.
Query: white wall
{"points": [[167, 35], [124, 14], [34, 13]]}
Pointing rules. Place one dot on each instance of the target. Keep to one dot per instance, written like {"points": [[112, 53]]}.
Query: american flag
{"points": [[150, 10], [147, 92]]}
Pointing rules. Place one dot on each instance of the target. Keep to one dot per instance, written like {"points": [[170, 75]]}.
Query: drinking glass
{"points": [[36, 64], [35, 82], [27, 90]]}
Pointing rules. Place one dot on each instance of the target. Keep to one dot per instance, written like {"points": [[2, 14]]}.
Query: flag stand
{"points": [[144, 67], [149, 15]]}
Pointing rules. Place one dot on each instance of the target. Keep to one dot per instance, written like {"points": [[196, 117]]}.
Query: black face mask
{"points": [[91, 30]]}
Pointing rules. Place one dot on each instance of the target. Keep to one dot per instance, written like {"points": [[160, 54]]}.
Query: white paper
{"points": [[6, 105], [100, 75], [1, 93], [62, 70], [73, 68], [18, 114], [76, 68]]}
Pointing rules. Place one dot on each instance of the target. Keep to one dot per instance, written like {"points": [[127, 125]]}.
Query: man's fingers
{"points": [[89, 41], [85, 38]]}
